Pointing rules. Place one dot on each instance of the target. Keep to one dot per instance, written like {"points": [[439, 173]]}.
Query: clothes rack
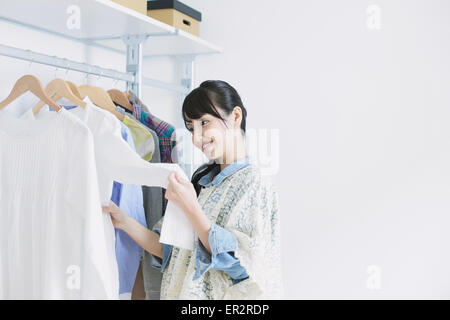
{"points": [[61, 63]]}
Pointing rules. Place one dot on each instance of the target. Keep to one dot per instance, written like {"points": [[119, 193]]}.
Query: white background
{"points": [[364, 124]]}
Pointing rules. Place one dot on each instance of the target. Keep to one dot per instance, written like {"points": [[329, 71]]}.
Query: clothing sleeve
{"points": [[120, 163], [223, 244], [254, 221], [156, 262], [98, 280], [126, 166]]}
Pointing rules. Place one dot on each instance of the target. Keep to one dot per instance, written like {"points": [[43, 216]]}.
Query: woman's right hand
{"points": [[118, 217]]}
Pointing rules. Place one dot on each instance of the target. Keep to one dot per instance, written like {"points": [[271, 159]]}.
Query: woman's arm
{"points": [[147, 239], [217, 245], [201, 224]]}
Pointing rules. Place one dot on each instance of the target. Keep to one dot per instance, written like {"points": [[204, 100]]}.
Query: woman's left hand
{"points": [[182, 193]]}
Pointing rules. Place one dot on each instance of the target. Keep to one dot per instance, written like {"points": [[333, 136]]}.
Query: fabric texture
{"points": [[131, 95], [153, 206], [143, 140], [223, 244], [244, 203], [154, 211], [52, 242], [165, 131], [116, 161], [129, 198]]}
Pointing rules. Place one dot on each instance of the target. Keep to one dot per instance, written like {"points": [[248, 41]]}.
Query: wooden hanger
{"points": [[74, 89], [32, 84], [120, 98], [100, 98], [57, 89]]}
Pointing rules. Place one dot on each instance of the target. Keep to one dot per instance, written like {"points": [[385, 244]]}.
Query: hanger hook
{"points": [[31, 58], [56, 70], [67, 69]]}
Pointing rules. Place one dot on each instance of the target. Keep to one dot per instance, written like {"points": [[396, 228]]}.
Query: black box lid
{"points": [[174, 4]]}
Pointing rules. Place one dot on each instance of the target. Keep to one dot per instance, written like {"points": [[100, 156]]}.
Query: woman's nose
{"points": [[197, 138]]}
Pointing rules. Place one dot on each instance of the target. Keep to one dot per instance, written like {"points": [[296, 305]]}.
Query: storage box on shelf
{"points": [[97, 29], [137, 5], [176, 14]]}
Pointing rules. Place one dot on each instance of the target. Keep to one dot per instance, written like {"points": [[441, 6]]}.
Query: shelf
{"points": [[104, 23], [179, 43]]}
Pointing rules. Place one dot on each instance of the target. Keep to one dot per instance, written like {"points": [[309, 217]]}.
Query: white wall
{"points": [[363, 117]]}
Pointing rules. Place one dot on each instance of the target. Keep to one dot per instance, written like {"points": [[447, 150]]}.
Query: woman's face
{"points": [[207, 135], [212, 136]]}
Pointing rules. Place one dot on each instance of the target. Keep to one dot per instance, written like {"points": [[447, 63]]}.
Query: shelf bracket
{"points": [[185, 153], [134, 61], [187, 72], [187, 67]]}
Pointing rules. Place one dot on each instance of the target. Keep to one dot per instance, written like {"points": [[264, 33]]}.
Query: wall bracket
{"points": [[134, 61]]}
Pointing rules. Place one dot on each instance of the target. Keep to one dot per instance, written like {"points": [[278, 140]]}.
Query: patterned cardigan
{"points": [[246, 204]]}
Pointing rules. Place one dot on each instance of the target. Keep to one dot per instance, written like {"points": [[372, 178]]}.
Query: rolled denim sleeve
{"points": [[157, 262], [223, 243]]}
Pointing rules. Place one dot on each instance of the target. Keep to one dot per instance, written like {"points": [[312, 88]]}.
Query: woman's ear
{"points": [[237, 117]]}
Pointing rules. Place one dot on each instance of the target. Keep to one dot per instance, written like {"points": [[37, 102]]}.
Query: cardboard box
{"points": [[176, 19], [174, 4], [176, 14], [137, 5]]}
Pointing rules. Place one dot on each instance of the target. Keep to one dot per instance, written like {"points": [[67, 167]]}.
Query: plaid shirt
{"points": [[165, 132]]}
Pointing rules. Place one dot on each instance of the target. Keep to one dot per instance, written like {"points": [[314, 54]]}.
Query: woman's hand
{"points": [[118, 217], [145, 238], [182, 193]]}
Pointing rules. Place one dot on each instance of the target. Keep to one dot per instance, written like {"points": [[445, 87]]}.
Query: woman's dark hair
{"points": [[207, 99]]}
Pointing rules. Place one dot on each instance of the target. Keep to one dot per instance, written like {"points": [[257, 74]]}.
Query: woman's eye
{"points": [[204, 122]]}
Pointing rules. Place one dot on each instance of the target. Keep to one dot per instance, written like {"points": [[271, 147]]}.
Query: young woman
{"points": [[232, 207]]}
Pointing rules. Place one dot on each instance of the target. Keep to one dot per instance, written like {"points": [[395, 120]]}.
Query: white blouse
{"points": [[52, 243], [47, 142]]}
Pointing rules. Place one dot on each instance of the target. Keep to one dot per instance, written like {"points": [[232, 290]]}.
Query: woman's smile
{"points": [[206, 146]]}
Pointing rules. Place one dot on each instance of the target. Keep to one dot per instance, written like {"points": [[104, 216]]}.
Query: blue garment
{"points": [[207, 180], [130, 200], [223, 243]]}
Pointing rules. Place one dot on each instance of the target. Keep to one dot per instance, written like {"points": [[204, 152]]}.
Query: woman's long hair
{"points": [[207, 99]]}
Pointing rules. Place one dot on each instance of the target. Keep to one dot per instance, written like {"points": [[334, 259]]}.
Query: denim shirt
{"points": [[223, 243]]}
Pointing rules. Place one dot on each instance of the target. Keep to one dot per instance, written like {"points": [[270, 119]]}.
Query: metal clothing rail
{"points": [[62, 63]]}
